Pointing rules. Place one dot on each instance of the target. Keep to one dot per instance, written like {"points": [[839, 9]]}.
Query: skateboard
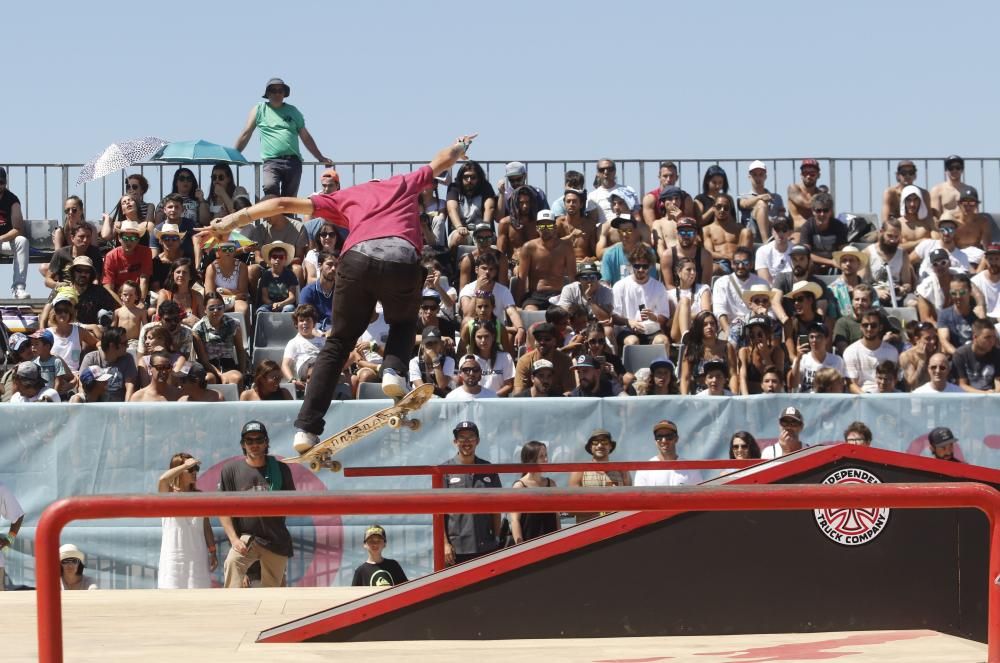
{"points": [[395, 416]]}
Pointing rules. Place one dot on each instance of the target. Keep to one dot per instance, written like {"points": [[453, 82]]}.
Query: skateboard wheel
{"points": [[394, 422], [314, 465], [414, 425], [335, 466]]}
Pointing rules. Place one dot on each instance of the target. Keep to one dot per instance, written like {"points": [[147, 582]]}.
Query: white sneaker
{"points": [[20, 292], [303, 441], [393, 384]]}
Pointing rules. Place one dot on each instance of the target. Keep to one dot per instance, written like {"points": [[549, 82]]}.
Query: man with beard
{"points": [[600, 446], [933, 291], [544, 334], [579, 230], [658, 204], [515, 177], [687, 247], [470, 200], [724, 235], [589, 378], [92, 300], [887, 260], [547, 264], [470, 389], [467, 535], [916, 222], [665, 436], [988, 280], [256, 538], [942, 443], [319, 293], [863, 357], [892, 197], [642, 301], [728, 304], [913, 363], [800, 194], [977, 364], [955, 322], [159, 388], [974, 229], [483, 238], [518, 227], [783, 283], [944, 196], [80, 245]]}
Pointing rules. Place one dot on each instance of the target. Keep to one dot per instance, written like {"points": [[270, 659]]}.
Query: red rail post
{"points": [[530, 500], [437, 528]]}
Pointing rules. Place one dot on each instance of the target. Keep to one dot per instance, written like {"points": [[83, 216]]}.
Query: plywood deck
{"points": [[221, 625]]}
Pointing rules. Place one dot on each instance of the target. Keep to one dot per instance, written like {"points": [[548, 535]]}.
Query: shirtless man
{"points": [[913, 362], [800, 194], [483, 237], [654, 205], [159, 388], [916, 222], [579, 230], [518, 228], [944, 196], [973, 232], [724, 235], [609, 235], [546, 265], [906, 173], [663, 232], [687, 247]]}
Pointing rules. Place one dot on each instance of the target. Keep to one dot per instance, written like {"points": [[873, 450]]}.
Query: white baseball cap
{"points": [[756, 165]]}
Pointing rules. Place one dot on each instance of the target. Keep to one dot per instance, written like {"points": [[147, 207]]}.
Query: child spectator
{"points": [[301, 349], [19, 350], [29, 386], [94, 381], [278, 286], [53, 370], [377, 571], [131, 315]]}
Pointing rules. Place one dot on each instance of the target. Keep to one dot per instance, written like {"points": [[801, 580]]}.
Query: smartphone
{"points": [[803, 339]]}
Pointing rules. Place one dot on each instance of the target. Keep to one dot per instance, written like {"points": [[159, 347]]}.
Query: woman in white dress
{"points": [[187, 550]]}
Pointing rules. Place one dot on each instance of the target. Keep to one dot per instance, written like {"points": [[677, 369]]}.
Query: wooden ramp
{"points": [[222, 625]]}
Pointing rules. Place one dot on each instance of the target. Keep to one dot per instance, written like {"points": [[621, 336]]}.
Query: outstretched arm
{"points": [[222, 227], [447, 157]]}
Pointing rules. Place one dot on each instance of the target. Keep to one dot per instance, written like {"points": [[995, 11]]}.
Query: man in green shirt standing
{"points": [[281, 126]]}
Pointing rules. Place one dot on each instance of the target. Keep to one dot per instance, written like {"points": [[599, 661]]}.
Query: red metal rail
{"points": [[437, 473], [725, 498]]}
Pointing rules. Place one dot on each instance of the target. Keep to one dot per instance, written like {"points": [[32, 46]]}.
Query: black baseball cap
{"points": [[941, 436], [465, 425], [253, 427]]}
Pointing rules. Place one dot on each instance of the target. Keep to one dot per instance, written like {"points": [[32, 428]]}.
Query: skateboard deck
{"points": [[395, 416]]}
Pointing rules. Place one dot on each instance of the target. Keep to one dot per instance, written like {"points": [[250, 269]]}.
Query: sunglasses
{"points": [[130, 238], [326, 234], [626, 231], [545, 226], [821, 210], [947, 230], [909, 172], [469, 370], [194, 469], [71, 560], [132, 187], [722, 207], [687, 232], [255, 440], [470, 176], [185, 178], [937, 368], [160, 367], [666, 436], [740, 446], [170, 238], [956, 166], [275, 90], [606, 169], [489, 238], [215, 309], [959, 293], [277, 256], [941, 262], [227, 249], [429, 308], [70, 210], [640, 266], [219, 178], [870, 325], [741, 263], [588, 277]]}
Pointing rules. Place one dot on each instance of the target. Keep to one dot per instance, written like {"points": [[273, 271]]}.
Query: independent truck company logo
{"points": [[851, 527]]}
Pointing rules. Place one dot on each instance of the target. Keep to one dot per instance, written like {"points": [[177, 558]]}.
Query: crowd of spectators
{"points": [[587, 298]]}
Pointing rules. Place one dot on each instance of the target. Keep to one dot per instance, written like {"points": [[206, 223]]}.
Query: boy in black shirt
{"points": [[378, 571]]}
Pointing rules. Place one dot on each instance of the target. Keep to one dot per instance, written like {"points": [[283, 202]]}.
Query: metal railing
{"points": [[438, 472], [727, 498], [856, 182]]}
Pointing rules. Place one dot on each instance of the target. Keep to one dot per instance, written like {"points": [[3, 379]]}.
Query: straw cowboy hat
{"points": [[169, 229], [132, 227], [284, 246], [851, 250], [805, 286], [756, 290]]}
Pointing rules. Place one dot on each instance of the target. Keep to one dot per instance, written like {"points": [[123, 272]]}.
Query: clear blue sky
{"points": [[396, 80]]}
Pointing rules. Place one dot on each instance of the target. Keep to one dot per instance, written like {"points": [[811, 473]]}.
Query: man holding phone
{"points": [[256, 539]]}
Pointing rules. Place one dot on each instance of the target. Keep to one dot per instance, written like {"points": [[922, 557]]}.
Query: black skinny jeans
{"points": [[361, 282]]}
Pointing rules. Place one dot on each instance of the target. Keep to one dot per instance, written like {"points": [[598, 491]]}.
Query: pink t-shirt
{"points": [[377, 209]]}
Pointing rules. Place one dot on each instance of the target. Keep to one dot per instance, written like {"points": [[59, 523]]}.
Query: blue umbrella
{"points": [[198, 151]]}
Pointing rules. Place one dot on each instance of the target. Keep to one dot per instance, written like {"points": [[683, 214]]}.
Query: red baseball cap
{"points": [[330, 172]]}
